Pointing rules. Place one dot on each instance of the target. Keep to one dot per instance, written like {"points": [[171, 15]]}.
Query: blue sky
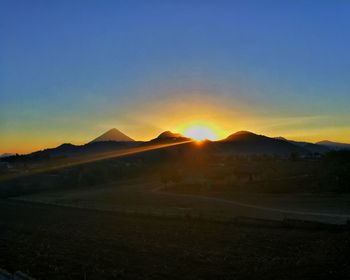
{"points": [[71, 69]]}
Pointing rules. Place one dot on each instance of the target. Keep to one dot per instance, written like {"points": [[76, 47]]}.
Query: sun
{"points": [[200, 133]]}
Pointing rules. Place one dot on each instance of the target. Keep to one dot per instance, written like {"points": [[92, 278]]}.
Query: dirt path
{"points": [[258, 211], [150, 198]]}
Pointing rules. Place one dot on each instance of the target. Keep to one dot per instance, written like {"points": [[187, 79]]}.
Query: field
{"points": [[50, 242], [136, 196], [159, 217]]}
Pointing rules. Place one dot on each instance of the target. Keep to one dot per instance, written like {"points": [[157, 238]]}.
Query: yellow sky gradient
{"points": [[178, 117]]}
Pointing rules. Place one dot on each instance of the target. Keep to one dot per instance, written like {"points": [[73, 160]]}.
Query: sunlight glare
{"points": [[200, 133]]}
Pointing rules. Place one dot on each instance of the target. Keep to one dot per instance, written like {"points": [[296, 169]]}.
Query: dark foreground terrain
{"points": [[50, 242]]}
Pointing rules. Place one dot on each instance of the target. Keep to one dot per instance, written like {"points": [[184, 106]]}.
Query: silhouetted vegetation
{"points": [[180, 166], [335, 171]]}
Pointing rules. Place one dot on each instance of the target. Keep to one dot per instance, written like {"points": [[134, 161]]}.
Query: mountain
{"points": [[113, 135], [241, 142], [112, 140], [334, 145], [66, 151], [168, 136], [245, 142], [311, 147], [239, 135]]}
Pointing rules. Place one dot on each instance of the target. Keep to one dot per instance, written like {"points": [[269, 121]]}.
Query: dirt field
{"points": [[50, 242], [153, 199]]}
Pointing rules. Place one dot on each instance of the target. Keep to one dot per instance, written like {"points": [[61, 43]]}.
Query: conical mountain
{"points": [[113, 135]]}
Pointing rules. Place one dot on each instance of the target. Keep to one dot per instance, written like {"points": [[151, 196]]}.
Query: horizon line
{"points": [[145, 141]]}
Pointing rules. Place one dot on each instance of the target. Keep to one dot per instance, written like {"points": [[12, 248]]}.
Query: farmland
{"points": [[50, 242], [157, 216], [153, 198]]}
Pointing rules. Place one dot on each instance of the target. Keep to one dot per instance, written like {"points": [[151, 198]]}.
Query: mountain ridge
{"points": [[240, 142], [312, 147], [334, 145], [246, 142]]}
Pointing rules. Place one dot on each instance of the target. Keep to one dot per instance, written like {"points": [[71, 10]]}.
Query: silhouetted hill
{"points": [[312, 148], [245, 142], [334, 145], [168, 134], [169, 137], [113, 135], [64, 149], [239, 135], [72, 151]]}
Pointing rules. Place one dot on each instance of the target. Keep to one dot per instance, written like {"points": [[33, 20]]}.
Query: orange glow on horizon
{"points": [[200, 131]]}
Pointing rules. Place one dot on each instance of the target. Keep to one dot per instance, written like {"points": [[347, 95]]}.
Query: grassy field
{"points": [[50, 242]]}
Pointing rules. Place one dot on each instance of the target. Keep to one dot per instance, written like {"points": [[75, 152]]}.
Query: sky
{"points": [[70, 70]]}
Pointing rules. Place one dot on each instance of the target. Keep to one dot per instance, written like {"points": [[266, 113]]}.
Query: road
{"points": [[259, 211]]}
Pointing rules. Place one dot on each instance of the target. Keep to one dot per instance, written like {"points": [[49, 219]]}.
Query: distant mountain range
{"points": [[319, 147], [242, 142], [314, 148], [334, 145]]}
